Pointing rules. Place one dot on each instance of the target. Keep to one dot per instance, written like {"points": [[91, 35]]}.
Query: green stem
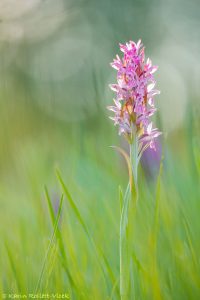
{"points": [[126, 224], [124, 264], [134, 164]]}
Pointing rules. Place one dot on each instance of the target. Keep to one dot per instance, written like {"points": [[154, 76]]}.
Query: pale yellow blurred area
{"points": [[12, 9], [63, 50], [32, 20]]}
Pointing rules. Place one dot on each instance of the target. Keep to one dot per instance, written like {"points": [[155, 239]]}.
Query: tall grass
{"points": [[56, 121], [76, 250]]}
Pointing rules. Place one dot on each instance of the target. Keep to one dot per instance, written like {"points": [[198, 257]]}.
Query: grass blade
{"points": [[50, 245], [60, 240], [14, 269], [99, 254]]}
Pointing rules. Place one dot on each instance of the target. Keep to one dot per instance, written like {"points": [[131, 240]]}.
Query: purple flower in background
{"points": [[135, 91], [151, 161]]}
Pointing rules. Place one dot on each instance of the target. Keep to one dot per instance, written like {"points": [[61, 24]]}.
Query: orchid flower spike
{"points": [[134, 95]]}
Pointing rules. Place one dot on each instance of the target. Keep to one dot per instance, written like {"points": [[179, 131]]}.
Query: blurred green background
{"points": [[54, 76]]}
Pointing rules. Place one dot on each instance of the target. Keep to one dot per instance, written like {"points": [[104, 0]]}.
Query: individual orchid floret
{"points": [[135, 92]]}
